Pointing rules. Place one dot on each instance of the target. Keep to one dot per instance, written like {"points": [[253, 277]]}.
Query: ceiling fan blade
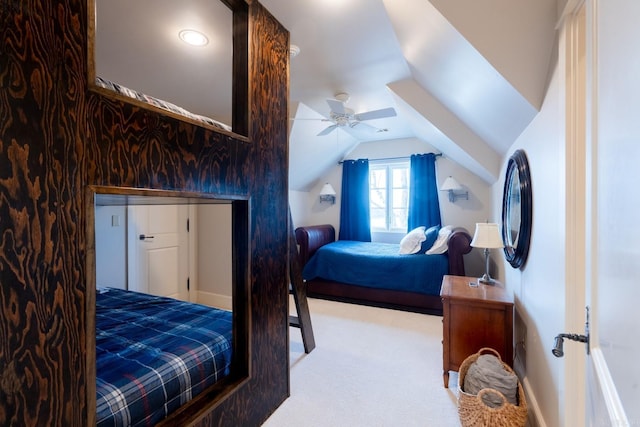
{"points": [[376, 114], [327, 130], [363, 126], [336, 106]]}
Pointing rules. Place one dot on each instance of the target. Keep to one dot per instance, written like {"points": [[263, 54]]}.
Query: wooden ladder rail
{"points": [[299, 291]]}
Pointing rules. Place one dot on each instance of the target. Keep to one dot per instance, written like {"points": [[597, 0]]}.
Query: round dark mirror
{"points": [[516, 210]]}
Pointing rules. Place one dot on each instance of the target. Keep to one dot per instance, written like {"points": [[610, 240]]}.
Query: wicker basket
{"points": [[472, 410]]}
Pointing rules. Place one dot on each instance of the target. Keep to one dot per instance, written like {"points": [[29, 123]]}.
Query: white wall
{"points": [[307, 210], [111, 244], [539, 286]]}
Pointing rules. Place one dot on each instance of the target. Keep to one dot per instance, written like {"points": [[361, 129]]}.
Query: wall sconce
{"points": [[487, 236], [327, 194], [455, 189]]}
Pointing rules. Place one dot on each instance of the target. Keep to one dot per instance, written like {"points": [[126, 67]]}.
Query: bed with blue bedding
{"points": [[376, 273], [153, 354], [360, 263]]}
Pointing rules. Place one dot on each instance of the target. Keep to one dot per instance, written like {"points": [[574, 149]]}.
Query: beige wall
{"points": [[214, 278]]}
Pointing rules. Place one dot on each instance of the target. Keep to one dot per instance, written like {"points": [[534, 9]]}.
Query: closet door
{"points": [[159, 250]]}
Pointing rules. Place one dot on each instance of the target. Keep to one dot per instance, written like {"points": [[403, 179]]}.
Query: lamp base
{"points": [[487, 280]]}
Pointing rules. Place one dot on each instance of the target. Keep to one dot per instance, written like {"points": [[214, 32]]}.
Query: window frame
{"points": [[389, 166]]}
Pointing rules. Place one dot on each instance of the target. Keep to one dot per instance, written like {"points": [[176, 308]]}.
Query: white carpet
{"points": [[371, 367]]}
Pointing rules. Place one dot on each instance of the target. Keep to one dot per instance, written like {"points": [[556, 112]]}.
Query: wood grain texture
{"points": [[42, 333], [259, 397], [56, 137]]}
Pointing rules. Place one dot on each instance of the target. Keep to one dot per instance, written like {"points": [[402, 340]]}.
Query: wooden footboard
{"points": [[385, 298], [313, 237]]}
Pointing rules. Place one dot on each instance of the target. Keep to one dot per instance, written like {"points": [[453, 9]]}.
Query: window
{"points": [[389, 195]]}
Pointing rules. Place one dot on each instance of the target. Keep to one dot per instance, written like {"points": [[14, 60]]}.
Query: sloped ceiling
{"points": [[465, 76], [310, 161]]}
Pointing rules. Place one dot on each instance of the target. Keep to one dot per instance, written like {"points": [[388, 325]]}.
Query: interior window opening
{"points": [[170, 302]]}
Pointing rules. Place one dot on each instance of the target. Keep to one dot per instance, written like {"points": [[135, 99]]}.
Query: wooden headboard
{"points": [[312, 237]]}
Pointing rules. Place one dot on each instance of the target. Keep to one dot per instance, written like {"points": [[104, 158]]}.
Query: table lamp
{"points": [[487, 236]]}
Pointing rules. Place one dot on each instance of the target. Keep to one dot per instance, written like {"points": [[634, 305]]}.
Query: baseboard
{"points": [[534, 415], [224, 302]]}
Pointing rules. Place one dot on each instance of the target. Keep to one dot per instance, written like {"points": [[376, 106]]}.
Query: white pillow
{"points": [[440, 245], [412, 241]]}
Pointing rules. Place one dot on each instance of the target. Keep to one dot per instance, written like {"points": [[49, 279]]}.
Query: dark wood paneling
{"points": [[56, 138], [255, 400], [42, 122]]}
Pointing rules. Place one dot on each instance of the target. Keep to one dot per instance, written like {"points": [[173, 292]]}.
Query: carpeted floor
{"points": [[371, 367]]}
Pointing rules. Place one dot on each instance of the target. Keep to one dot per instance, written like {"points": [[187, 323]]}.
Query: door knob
{"points": [[145, 237], [558, 350], [558, 342]]}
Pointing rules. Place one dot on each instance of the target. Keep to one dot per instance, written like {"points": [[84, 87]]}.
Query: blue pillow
{"points": [[432, 235]]}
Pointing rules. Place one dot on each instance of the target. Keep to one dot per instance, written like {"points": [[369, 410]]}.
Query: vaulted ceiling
{"points": [[465, 76]]}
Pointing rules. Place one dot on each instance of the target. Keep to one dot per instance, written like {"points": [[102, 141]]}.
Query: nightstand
{"points": [[474, 317]]}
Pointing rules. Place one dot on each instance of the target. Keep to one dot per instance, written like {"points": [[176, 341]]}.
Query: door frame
{"points": [[573, 400], [581, 285]]}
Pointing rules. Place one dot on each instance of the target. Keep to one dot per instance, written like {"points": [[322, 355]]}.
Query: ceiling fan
{"points": [[342, 116]]}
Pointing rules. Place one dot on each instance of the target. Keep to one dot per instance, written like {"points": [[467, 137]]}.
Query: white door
{"points": [[613, 371], [159, 250], [611, 119]]}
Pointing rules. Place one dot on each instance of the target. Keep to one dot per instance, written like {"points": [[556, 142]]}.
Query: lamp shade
{"points": [[327, 190], [450, 184], [487, 236]]}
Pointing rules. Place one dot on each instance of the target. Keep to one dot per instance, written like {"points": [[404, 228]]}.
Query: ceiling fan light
{"points": [[342, 116], [342, 97]]}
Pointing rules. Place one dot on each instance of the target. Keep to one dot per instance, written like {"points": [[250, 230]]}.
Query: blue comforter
{"points": [[153, 354], [377, 265]]}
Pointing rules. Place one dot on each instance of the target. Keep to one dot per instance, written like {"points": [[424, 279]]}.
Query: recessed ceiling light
{"points": [[193, 37]]}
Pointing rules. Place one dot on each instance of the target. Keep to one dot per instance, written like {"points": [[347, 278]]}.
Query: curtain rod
{"points": [[391, 158]]}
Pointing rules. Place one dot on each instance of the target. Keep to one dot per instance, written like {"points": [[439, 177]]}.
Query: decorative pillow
{"points": [[432, 236], [440, 245], [412, 241]]}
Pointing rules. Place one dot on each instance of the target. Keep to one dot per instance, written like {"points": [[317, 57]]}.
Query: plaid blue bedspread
{"points": [[153, 354]]}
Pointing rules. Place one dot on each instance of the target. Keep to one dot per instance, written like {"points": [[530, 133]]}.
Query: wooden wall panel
{"points": [[56, 138], [42, 97], [270, 54]]}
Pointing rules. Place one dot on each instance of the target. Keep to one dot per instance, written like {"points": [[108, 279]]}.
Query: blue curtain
{"points": [[355, 223], [424, 207]]}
